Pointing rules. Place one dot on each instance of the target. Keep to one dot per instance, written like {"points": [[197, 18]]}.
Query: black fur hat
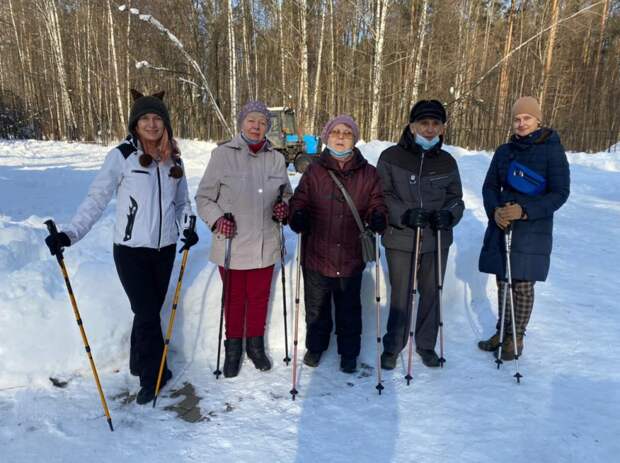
{"points": [[148, 104]]}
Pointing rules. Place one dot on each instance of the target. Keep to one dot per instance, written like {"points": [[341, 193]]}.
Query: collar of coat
{"points": [[407, 142], [357, 161], [238, 143], [538, 137]]}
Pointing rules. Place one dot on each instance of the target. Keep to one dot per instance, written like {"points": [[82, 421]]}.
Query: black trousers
{"points": [[400, 266], [318, 293], [145, 274]]}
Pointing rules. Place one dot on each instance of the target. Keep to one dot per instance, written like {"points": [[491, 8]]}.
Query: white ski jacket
{"points": [[151, 206]]}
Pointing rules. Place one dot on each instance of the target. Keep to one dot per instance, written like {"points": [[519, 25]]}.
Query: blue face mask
{"points": [[425, 143], [339, 154], [248, 140]]}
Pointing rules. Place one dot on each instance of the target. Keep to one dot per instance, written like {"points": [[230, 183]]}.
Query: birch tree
{"points": [[381, 9]]}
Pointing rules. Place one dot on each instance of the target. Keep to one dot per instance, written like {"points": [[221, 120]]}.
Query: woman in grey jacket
{"points": [[242, 196], [152, 201]]}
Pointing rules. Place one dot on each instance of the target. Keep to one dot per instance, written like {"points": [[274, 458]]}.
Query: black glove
{"points": [[414, 218], [377, 222], [190, 239], [441, 220], [56, 242], [300, 221]]}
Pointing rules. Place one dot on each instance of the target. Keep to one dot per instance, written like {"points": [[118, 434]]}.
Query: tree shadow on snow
{"points": [[342, 417]]}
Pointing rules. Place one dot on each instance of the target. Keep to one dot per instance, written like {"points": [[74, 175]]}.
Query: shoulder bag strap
{"points": [[348, 199]]}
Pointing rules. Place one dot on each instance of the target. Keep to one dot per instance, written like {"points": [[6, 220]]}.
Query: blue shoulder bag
{"points": [[525, 180]]}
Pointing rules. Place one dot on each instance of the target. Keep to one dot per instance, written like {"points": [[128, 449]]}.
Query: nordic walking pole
{"points": [[51, 227], [442, 359], [412, 322], [379, 386], [175, 301], [296, 332], [517, 375], [506, 286], [286, 359], [227, 245]]}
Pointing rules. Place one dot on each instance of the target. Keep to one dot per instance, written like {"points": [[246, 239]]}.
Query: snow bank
{"points": [[565, 410]]}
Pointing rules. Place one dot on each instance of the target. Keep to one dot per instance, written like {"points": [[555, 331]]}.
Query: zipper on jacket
{"points": [[160, 211], [420, 181]]}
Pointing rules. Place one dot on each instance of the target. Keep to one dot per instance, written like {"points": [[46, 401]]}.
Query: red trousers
{"points": [[247, 298]]}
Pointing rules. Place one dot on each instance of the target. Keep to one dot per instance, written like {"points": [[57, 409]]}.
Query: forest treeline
{"points": [[66, 66]]}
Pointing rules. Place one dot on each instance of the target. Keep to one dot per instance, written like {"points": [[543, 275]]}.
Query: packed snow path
{"points": [[567, 408]]}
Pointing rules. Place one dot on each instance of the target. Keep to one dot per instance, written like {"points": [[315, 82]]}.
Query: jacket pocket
{"points": [[136, 171]]}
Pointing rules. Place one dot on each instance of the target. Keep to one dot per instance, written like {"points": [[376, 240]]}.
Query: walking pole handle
{"points": [[192, 222], [53, 231], [51, 227]]}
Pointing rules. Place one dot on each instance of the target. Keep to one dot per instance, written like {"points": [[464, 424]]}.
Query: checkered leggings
{"points": [[523, 294]]}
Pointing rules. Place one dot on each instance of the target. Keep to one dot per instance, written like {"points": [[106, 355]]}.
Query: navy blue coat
{"points": [[542, 152]]}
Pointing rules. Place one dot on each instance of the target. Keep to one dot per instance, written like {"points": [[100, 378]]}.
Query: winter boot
{"points": [[312, 359], [429, 357], [232, 358], [388, 360], [348, 364], [491, 344], [255, 348], [147, 393], [508, 349]]}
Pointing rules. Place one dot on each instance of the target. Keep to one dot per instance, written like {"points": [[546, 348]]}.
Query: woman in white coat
{"points": [[145, 172]]}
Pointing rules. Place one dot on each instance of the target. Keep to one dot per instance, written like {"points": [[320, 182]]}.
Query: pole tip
{"points": [[110, 424]]}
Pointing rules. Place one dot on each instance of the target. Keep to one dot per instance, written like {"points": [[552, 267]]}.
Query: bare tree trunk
{"points": [[317, 77], [127, 62], [555, 12], [68, 127], [282, 53], [599, 46], [332, 63], [417, 68], [380, 16], [117, 86], [303, 68], [232, 59], [20, 56], [502, 95], [246, 51]]}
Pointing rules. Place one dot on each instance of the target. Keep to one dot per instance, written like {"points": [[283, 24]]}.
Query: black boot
{"points": [[147, 393], [388, 360], [312, 359], [429, 357], [348, 364], [255, 348], [232, 357]]}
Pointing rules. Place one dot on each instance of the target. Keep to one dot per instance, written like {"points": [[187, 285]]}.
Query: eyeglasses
{"points": [[347, 134]]}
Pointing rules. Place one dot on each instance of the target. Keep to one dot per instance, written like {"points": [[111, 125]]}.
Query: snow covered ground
{"points": [[567, 408]]}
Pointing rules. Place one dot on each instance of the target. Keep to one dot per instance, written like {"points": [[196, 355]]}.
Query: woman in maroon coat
{"points": [[331, 249]]}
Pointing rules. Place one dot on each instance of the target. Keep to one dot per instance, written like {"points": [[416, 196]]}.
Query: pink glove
{"points": [[225, 227], [280, 211]]}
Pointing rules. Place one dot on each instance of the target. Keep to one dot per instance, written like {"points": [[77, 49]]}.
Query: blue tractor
{"points": [[299, 150]]}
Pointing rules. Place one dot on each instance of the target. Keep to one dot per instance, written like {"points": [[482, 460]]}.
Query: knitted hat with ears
{"points": [[148, 104]]}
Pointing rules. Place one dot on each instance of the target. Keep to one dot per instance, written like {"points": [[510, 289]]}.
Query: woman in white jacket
{"points": [[152, 203]]}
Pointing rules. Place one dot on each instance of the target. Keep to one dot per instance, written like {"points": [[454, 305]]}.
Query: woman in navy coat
{"points": [[527, 181]]}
